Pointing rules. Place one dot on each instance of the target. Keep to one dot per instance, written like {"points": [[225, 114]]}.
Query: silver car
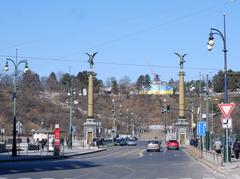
{"points": [[153, 145], [131, 142]]}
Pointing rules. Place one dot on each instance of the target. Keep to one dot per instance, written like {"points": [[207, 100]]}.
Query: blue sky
{"points": [[131, 37]]}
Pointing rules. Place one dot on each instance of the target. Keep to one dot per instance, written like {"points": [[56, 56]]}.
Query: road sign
{"points": [[201, 128], [226, 109], [227, 123]]}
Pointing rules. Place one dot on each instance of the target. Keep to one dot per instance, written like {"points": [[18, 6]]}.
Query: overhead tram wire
{"points": [[110, 63], [119, 38]]}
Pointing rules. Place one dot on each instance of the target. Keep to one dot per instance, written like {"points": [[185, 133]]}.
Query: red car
{"points": [[173, 144]]}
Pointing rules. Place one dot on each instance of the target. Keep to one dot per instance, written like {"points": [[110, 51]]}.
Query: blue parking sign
{"points": [[201, 128]]}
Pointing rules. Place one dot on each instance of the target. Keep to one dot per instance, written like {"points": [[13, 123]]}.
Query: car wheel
{"points": [[147, 150]]}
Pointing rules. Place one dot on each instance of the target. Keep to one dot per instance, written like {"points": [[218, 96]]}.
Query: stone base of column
{"points": [[182, 131]]}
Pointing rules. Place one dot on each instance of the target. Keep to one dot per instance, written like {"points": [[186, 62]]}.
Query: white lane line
{"points": [[164, 151], [13, 170], [59, 168], [185, 178], [207, 178], [161, 178], [3, 178], [47, 178], [24, 178]]}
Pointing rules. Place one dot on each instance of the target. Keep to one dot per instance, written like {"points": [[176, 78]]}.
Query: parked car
{"points": [[153, 145], [173, 144], [131, 142], [120, 142]]}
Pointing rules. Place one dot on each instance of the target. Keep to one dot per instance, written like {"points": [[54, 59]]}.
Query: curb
{"points": [[50, 157]]}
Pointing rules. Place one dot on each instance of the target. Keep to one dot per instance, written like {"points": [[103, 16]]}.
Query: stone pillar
{"points": [[90, 126], [181, 95], [182, 126], [90, 96]]}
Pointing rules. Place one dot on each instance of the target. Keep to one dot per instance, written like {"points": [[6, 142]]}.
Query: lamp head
{"points": [[26, 68], [210, 41], [209, 47], [6, 66]]}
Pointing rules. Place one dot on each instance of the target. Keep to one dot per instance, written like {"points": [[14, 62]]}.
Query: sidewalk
{"points": [[232, 169], [44, 155]]}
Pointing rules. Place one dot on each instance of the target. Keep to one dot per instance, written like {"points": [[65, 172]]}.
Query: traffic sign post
{"points": [[227, 123], [226, 109], [201, 128]]}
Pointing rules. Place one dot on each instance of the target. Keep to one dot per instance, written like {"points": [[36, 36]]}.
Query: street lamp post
{"points": [[16, 65], [210, 46], [114, 120]]}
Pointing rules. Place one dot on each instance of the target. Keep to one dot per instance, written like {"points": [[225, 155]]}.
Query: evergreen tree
{"points": [[140, 83], [30, 81], [52, 83], [147, 82]]}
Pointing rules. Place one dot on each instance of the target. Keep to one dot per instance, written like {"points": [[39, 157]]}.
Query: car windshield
{"points": [[153, 142], [173, 141]]}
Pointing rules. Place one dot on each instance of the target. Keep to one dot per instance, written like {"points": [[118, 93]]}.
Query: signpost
{"points": [[226, 109], [201, 128], [227, 123]]}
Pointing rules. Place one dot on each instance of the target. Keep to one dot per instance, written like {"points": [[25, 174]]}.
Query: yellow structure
{"points": [[181, 95]]}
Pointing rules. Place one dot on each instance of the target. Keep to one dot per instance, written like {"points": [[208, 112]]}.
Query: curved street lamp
{"points": [[6, 68], [210, 46]]}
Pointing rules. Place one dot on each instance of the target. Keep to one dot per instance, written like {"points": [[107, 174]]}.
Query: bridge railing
{"points": [[210, 156]]}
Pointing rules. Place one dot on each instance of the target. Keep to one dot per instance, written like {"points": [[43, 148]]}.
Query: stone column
{"points": [[181, 95], [90, 96], [90, 126]]}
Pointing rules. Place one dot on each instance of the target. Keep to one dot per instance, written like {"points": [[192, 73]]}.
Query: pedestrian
{"points": [[218, 146], [236, 149]]}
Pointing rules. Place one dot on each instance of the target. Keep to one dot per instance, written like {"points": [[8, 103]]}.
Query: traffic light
{"points": [[168, 108]]}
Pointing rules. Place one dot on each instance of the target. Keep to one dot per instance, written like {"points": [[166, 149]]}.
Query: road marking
{"points": [[14, 171], [207, 178], [59, 168], [103, 156], [141, 153], [185, 178], [38, 169], [24, 178], [164, 151], [128, 152]]}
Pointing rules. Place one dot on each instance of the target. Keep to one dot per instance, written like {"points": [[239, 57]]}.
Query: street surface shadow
{"points": [[40, 166]]}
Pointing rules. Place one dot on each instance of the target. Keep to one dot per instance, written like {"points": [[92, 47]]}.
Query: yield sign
{"points": [[226, 109]]}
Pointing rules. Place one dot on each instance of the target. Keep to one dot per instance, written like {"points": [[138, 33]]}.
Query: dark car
{"points": [[120, 142]]}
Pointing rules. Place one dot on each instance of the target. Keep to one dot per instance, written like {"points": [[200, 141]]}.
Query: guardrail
{"points": [[210, 156]]}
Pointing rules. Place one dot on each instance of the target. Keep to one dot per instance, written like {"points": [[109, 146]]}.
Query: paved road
{"points": [[117, 162]]}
